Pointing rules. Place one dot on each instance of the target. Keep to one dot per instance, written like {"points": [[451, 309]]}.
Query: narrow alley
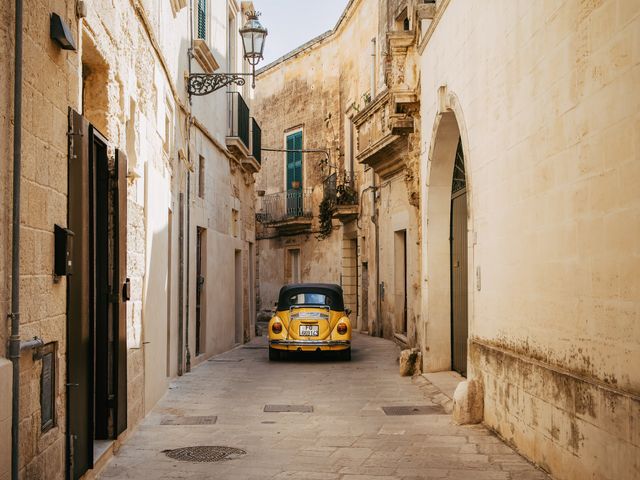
{"points": [[346, 435]]}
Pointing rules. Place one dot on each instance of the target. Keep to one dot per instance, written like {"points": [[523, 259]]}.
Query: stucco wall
{"points": [[546, 99]]}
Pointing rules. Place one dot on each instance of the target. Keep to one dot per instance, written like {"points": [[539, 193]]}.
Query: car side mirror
{"points": [[347, 311]]}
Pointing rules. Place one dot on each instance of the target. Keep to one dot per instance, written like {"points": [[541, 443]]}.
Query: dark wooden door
{"points": [[96, 292], [459, 319], [79, 317], [199, 290]]}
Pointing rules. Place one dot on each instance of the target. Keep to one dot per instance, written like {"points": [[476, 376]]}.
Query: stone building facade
{"points": [[170, 186], [346, 223], [504, 135]]}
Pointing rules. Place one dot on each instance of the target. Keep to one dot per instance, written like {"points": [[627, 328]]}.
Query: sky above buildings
{"points": [[294, 22]]}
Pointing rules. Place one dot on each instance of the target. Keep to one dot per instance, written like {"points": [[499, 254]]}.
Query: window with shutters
{"points": [[201, 19]]}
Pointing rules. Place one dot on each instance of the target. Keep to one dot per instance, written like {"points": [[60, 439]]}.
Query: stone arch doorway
{"points": [[447, 256]]}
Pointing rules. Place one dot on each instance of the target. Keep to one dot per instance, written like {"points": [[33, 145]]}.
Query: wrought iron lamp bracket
{"points": [[206, 83]]}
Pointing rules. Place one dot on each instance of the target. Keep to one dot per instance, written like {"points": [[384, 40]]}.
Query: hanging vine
{"points": [[326, 218]]}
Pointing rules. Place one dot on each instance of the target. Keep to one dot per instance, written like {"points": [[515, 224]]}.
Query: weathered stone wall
{"points": [[546, 100], [49, 88], [316, 89], [127, 79]]}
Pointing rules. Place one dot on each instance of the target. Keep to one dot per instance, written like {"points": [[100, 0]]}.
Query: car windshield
{"points": [[309, 299]]}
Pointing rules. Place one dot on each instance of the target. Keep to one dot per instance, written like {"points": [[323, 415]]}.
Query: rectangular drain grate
{"points": [[226, 360], [288, 408], [414, 410], [255, 347], [183, 420]]}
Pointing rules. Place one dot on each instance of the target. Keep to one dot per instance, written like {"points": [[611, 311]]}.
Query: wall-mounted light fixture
{"points": [[61, 33], [253, 38]]}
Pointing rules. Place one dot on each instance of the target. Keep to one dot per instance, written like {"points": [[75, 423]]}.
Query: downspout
{"points": [[377, 330], [189, 122], [14, 340], [181, 289]]}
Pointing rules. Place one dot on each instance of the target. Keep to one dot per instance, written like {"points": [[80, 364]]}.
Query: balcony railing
{"points": [[256, 141], [289, 205], [238, 118], [341, 188]]}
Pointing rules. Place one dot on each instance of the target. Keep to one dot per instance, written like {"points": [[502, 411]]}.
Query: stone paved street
{"points": [[347, 436]]}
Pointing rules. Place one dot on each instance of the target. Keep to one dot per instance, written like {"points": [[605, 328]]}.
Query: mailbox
{"points": [[63, 264]]}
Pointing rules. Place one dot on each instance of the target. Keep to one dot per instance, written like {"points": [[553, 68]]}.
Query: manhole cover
{"points": [[413, 410], [226, 360], [288, 408], [204, 453], [181, 420]]}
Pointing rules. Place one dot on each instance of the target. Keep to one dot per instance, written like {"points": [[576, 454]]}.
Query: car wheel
{"points": [[344, 355], [274, 354]]}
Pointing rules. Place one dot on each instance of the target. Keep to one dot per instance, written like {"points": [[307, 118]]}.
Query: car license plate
{"points": [[309, 330]]}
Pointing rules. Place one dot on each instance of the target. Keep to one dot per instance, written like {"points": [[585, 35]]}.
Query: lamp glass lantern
{"points": [[253, 37]]}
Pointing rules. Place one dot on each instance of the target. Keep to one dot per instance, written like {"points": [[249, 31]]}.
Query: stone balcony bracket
{"points": [[203, 55]]}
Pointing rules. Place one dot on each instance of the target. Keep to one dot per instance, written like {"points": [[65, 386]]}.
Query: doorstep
{"points": [[446, 382]]}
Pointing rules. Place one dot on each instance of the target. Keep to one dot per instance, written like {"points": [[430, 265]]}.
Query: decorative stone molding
{"points": [[382, 130], [202, 53]]}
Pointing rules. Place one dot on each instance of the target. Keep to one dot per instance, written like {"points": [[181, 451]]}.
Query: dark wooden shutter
{"points": [[79, 346], [122, 289]]}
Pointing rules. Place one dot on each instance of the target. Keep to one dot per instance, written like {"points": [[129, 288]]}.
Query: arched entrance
{"points": [[445, 301]]}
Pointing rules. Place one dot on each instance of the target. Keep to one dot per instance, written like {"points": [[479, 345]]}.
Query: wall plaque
{"points": [[47, 387]]}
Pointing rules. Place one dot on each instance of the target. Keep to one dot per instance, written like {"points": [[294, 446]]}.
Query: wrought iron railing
{"points": [[277, 207], [341, 188], [238, 118], [256, 140]]}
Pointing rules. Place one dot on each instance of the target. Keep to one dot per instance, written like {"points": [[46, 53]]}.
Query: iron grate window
{"points": [[459, 176], [202, 19]]}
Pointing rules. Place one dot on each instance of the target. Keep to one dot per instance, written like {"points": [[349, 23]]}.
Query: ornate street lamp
{"points": [[253, 37]]}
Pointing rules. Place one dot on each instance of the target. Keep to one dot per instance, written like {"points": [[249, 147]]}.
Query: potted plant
{"points": [[295, 184]]}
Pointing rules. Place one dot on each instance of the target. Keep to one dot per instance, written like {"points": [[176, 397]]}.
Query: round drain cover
{"points": [[204, 453]]}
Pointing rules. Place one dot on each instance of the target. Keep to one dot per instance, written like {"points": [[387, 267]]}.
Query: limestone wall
{"points": [[545, 96], [316, 89]]}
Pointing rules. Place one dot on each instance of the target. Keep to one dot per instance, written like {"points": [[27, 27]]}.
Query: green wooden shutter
{"points": [[294, 159]]}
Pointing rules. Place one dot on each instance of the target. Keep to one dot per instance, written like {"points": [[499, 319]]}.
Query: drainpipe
{"points": [[188, 260], [14, 340], [377, 331], [181, 290]]}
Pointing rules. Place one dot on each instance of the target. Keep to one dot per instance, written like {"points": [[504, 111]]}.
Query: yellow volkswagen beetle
{"points": [[310, 317]]}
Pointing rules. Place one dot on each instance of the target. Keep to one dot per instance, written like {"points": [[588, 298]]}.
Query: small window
{"points": [[168, 129], [201, 176], [201, 19]]}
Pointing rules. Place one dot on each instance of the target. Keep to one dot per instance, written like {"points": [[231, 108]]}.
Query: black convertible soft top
{"points": [[331, 291]]}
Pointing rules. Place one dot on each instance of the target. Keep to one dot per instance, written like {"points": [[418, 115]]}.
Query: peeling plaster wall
{"points": [[547, 100], [315, 90]]}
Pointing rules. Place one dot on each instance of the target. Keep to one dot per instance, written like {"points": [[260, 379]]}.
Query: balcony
{"points": [[253, 161], [382, 132], [342, 191], [238, 134], [288, 212]]}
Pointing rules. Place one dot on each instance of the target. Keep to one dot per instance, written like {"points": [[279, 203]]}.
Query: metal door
{"points": [[459, 304]]}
